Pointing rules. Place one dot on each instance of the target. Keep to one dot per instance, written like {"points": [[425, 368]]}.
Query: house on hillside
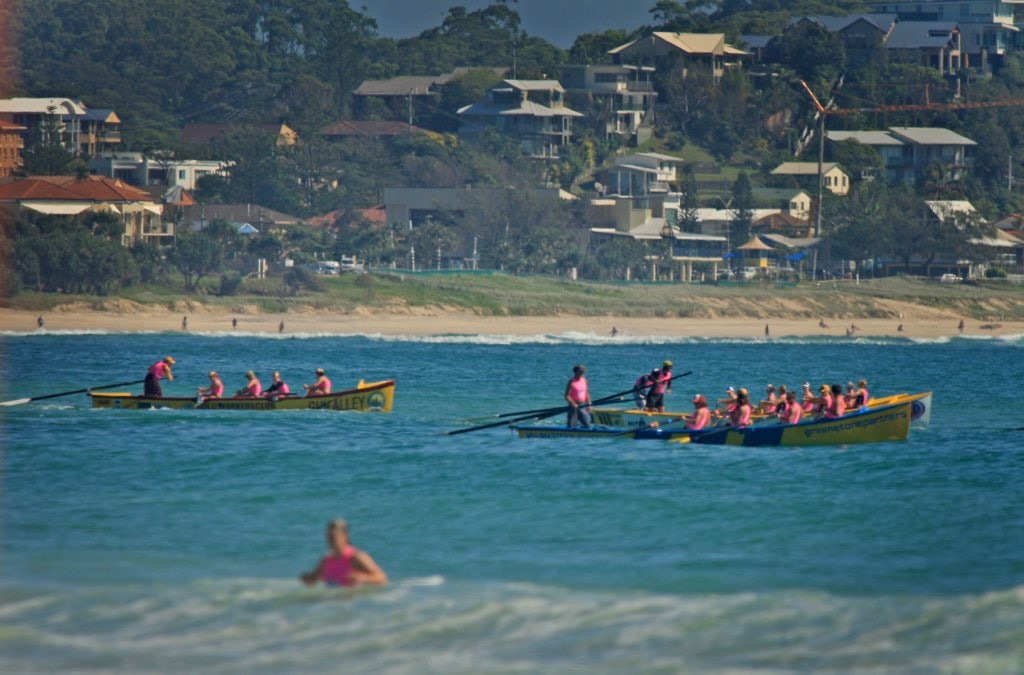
{"points": [[69, 196], [203, 134], [791, 201], [401, 92], [909, 152], [83, 131], [834, 179], [11, 145], [933, 44], [628, 91], [640, 174], [654, 220], [988, 28], [259, 218], [141, 170], [533, 112], [100, 131], [863, 35], [707, 52]]}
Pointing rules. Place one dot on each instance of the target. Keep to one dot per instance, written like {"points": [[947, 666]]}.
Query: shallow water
{"points": [[166, 541]]}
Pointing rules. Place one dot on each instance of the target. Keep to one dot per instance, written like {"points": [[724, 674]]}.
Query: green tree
{"points": [[689, 211], [196, 256], [742, 207], [621, 257]]}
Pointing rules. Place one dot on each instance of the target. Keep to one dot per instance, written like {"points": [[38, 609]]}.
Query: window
{"points": [[181, 174]]}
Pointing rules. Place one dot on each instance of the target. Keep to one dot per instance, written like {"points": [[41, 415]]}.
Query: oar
{"points": [[69, 393], [549, 412]]}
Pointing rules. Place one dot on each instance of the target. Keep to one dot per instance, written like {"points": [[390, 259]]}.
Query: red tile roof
{"points": [[70, 188]]}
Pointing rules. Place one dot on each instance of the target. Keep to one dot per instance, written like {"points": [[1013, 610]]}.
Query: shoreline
{"points": [[924, 324]]}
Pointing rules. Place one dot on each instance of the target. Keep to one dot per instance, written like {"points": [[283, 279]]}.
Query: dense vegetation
{"points": [[165, 63]]}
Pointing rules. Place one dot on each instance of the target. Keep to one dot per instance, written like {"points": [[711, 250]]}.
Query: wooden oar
{"points": [[69, 393], [549, 412]]}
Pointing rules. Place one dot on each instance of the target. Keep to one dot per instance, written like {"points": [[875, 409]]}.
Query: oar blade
{"points": [[19, 401]]}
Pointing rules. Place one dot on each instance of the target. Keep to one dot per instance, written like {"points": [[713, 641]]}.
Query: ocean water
{"points": [[171, 541]]}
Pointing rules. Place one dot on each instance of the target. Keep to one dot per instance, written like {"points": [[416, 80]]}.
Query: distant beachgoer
{"points": [[615, 331], [960, 326], [234, 323], [216, 388], [899, 328], [822, 324], [184, 323], [320, 387], [344, 565], [158, 371], [40, 322], [701, 415], [278, 388], [577, 395], [767, 333], [252, 388], [280, 327]]}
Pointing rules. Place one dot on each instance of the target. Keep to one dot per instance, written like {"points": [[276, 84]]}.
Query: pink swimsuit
{"points": [[337, 569], [158, 370], [578, 390]]}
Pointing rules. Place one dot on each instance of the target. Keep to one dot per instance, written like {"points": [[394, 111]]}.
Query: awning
{"points": [[57, 208], [104, 206], [154, 208]]}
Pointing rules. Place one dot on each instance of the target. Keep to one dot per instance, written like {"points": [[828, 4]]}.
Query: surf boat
{"points": [[866, 425], [634, 418], [366, 397]]}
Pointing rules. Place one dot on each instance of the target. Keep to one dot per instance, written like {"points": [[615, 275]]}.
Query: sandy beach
{"points": [[917, 322]]}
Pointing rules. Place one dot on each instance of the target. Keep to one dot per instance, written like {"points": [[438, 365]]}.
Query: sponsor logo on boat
{"points": [[854, 423]]}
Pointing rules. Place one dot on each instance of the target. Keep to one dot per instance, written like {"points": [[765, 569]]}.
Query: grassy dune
{"points": [[505, 295]]}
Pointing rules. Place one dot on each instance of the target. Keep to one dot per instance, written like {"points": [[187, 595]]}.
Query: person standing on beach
{"points": [[344, 565], [184, 323], [960, 326], [280, 327], [234, 323], [577, 394], [40, 322], [158, 371]]}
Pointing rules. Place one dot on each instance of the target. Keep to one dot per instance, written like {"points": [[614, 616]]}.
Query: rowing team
{"points": [[737, 411], [253, 387]]}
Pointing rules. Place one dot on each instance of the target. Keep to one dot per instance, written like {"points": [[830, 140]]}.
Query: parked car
{"points": [[749, 273], [949, 278]]}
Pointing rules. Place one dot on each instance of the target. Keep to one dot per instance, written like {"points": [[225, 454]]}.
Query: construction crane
{"points": [[823, 111], [911, 107]]}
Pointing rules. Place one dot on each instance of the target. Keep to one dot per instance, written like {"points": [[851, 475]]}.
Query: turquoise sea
{"points": [[171, 541]]}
